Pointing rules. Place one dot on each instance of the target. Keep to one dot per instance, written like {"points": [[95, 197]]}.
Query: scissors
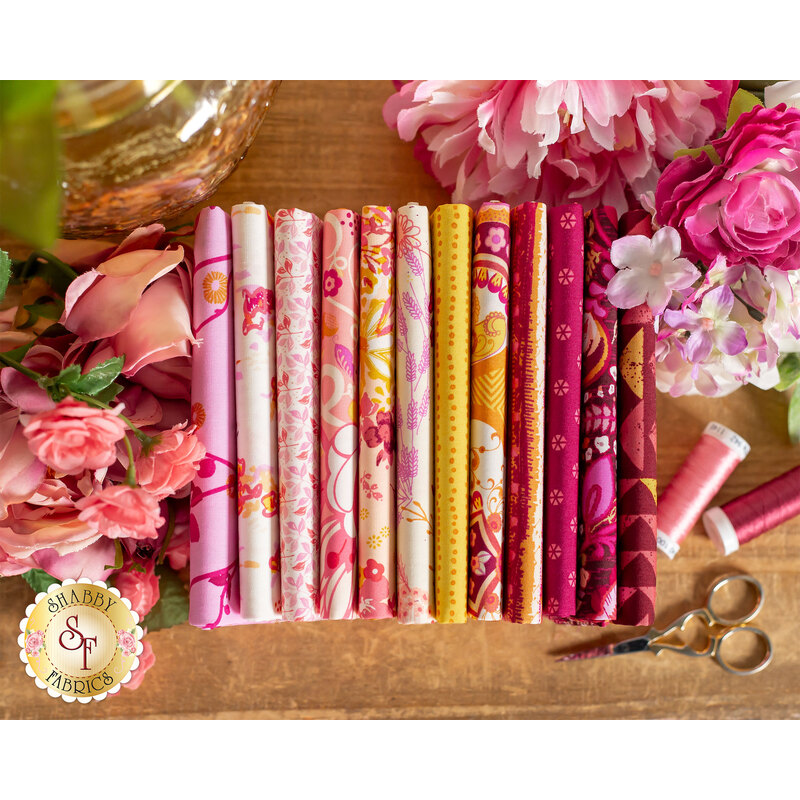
{"points": [[720, 630]]}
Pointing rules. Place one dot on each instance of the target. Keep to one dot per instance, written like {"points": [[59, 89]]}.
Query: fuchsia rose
{"points": [[121, 511], [73, 437], [141, 588], [171, 463], [743, 201]]}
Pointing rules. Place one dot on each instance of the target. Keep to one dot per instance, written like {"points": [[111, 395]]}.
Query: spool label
{"points": [[666, 545], [80, 640]]}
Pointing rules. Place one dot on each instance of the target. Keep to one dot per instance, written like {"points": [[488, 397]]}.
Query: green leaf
{"points": [[39, 580], [30, 193], [47, 307], [173, 605], [794, 417], [108, 394], [5, 273], [694, 152], [789, 370], [99, 377], [742, 102]]}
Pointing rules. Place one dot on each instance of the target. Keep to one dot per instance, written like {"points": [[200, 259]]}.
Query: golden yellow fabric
{"points": [[451, 238]]}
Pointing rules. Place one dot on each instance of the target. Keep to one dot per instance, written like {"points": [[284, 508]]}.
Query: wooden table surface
{"points": [[324, 145]]}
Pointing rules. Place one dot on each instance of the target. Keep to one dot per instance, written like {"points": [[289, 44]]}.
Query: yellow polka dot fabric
{"points": [[451, 238]]}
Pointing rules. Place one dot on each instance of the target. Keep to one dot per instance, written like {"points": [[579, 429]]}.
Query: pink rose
{"points": [[747, 207], [126, 642], [146, 660], [73, 437], [141, 588], [121, 512], [171, 463], [34, 643]]}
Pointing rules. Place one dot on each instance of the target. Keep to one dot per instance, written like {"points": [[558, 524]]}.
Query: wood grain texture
{"points": [[324, 145]]}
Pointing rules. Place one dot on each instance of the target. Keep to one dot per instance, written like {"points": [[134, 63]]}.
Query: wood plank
{"points": [[324, 145]]}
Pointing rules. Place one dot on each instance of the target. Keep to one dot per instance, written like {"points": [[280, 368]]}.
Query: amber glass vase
{"points": [[139, 151]]}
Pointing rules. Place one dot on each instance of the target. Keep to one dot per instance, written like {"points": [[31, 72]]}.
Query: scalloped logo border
{"points": [[21, 640]]}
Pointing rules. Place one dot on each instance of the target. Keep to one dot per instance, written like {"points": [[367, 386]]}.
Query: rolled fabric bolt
{"points": [[256, 412], [756, 512], [712, 460], [414, 422]]}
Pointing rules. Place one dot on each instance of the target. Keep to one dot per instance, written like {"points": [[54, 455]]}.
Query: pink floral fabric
{"points": [[376, 468], [298, 243], [256, 412], [338, 421], [414, 314], [213, 564]]}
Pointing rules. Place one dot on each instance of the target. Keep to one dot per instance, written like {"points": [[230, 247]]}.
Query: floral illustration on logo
{"points": [[215, 288], [126, 642], [34, 641]]}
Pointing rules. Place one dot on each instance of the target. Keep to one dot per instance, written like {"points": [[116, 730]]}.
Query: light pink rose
{"points": [[126, 642], [171, 463], [146, 660], [121, 512], [34, 643], [141, 588], [73, 437]]}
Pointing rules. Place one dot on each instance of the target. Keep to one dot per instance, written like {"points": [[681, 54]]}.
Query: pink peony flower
{"points": [[73, 437], [649, 270], [555, 141], [121, 511], [146, 660], [744, 203], [141, 588], [171, 463]]}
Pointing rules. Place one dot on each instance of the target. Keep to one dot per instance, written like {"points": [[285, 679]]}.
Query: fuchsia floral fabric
{"points": [[563, 409], [597, 533], [298, 243]]}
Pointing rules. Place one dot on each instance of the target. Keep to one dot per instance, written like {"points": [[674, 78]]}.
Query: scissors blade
{"points": [[620, 648]]}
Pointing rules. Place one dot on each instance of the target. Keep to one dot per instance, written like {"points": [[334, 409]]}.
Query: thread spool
{"points": [[754, 513], [715, 456]]}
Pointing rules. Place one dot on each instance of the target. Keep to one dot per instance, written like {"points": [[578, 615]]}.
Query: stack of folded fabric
{"points": [[422, 416]]}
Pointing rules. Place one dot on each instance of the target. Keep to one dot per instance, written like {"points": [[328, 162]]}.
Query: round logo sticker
{"points": [[80, 640]]}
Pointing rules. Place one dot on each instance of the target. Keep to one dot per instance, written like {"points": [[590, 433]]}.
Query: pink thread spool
{"points": [[715, 456], [754, 513]]}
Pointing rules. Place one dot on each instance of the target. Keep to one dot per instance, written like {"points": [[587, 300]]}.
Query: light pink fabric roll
{"points": [[339, 415], [298, 244]]}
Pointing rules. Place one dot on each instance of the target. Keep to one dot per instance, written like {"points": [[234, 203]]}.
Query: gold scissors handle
{"points": [[713, 620]]}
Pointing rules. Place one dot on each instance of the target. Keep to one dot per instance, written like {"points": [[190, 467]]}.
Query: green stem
{"points": [[130, 475], [42, 255], [170, 531], [118, 560], [10, 362]]}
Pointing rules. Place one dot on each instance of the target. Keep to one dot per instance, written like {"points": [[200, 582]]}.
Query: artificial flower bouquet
{"points": [[714, 170], [97, 453]]}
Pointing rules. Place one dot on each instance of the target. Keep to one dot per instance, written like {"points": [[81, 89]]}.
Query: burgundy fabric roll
{"points": [[597, 529], [637, 461], [563, 409]]}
